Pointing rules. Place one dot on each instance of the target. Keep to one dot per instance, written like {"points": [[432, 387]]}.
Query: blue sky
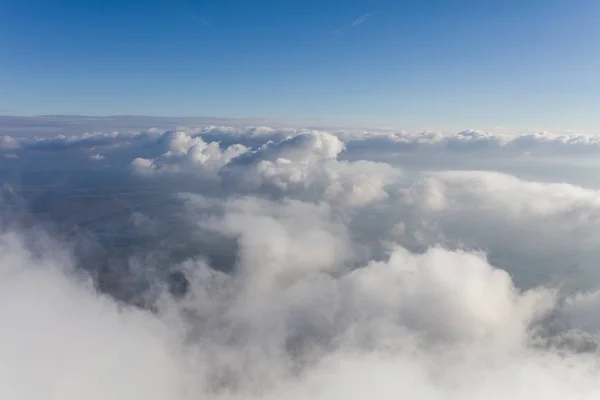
{"points": [[463, 63]]}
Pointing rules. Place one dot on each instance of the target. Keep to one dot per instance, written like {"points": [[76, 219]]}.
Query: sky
{"points": [[234, 234], [528, 65]]}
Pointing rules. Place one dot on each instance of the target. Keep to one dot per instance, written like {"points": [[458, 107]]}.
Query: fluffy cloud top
{"points": [[8, 143], [293, 319], [276, 263], [542, 144], [184, 153]]}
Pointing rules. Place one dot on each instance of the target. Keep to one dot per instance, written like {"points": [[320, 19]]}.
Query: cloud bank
{"points": [[277, 263]]}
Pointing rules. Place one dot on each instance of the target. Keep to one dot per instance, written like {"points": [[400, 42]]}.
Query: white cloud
{"points": [[65, 341], [203, 21], [293, 320], [361, 20], [347, 277], [303, 147], [541, 232], [307, 165], [143, 166], [144, 224], [304, 165], [553, 210], [97, 157], [372, 144], [8, 143], [184, 153], [295, 238]]}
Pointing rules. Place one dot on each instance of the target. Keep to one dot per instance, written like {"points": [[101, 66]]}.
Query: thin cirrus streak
{"points": [[362, 19]]}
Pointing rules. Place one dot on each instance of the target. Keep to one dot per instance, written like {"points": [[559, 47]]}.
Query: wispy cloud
{"points": [[357, 22], [361, 20], [200, 19]]}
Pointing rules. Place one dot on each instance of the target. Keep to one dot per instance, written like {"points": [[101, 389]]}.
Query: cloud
{"points": [[184, 153], [8, 143], [361, 20], [65, 338], [52, 125], [304, 164], [479, 143], [203, 21], [308, 164], [143, 166], [553, 226], [368, 144], [97, 157], [292, 319], [231, 262]]}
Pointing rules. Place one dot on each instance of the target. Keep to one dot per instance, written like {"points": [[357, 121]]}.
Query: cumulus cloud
{"points": [[186, 153], [315, 263], [293, 319], [8, 143], [303, 164], [97, 157], [309, 164], [495, 143], [553, 226], [66, 341]]}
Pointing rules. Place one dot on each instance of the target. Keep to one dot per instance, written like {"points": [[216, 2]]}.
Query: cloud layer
{"points": [[276, 263]]}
